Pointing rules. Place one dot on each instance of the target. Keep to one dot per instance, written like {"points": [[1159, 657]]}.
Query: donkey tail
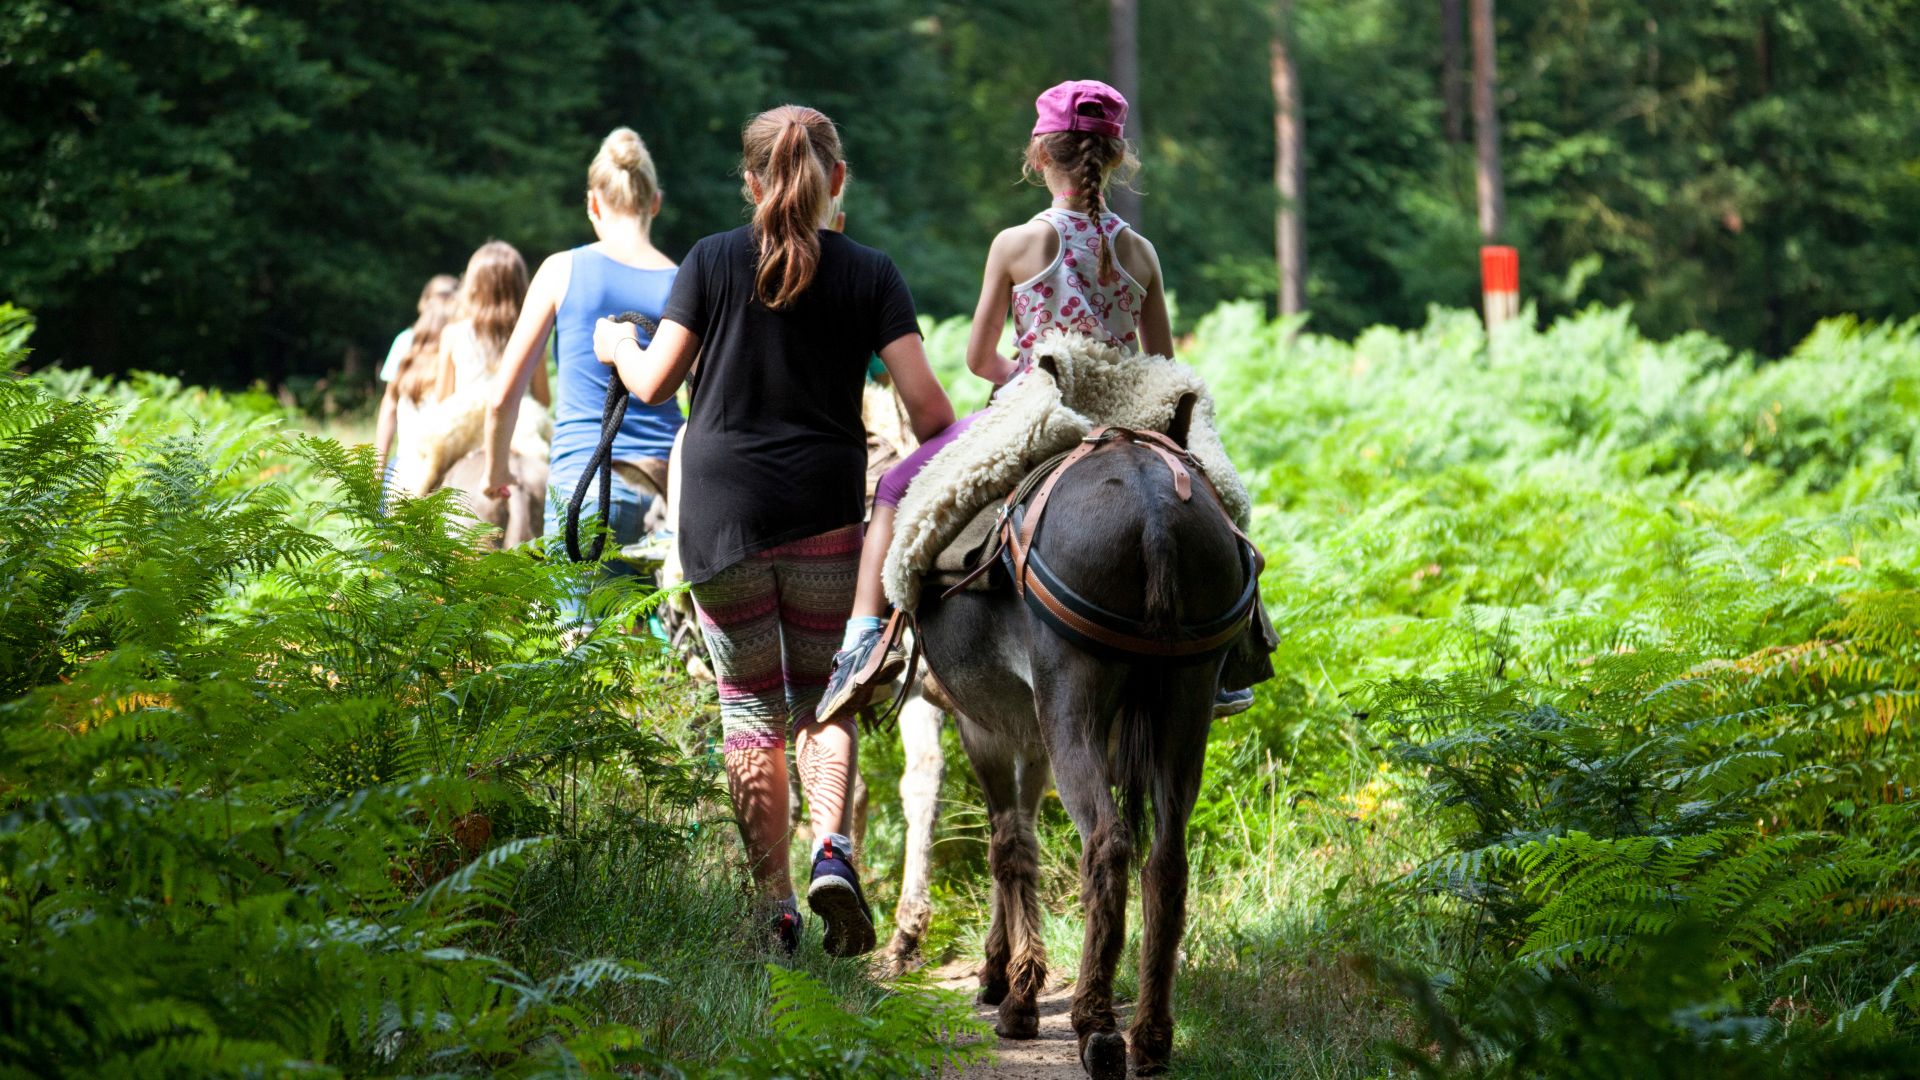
{"points": [[1140, 755]]}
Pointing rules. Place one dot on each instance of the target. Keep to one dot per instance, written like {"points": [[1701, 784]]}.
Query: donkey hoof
{"points": [[1150, 1051], [1018, 1023], [992, 993], [900, 958], [1104, 1055]]}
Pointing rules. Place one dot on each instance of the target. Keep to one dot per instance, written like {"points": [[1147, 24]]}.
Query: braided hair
{"points": [[1091, 160]]}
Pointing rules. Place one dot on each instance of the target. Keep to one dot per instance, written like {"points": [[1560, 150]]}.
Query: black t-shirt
{"points": [[775, 450]]}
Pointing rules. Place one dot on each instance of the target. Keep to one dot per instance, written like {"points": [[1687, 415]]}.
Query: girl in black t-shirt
{"points": [[783, 315]]}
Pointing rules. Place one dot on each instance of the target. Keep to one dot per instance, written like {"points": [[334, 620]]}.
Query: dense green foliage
{"points": [[1592, 751], [279, 771], [230, 191], [1607, 649]]}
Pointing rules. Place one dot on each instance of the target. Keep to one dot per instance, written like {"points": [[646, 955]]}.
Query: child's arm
{"points": [[990, 315], [654, 373], [1156, 330]]}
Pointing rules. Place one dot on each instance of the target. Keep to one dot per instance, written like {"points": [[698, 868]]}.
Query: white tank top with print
{"points": [[1070, 293]]}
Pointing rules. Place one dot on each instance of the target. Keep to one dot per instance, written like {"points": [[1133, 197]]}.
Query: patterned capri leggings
{"points": [[773, 622]]}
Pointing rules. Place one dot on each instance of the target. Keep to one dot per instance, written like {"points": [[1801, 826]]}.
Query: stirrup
{"points": [[890, 636]]}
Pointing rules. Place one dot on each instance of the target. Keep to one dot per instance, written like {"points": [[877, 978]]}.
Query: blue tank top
{"points": [[598, 287]]}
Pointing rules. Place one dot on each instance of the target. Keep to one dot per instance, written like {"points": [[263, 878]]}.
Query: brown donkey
{"points": [[1144, 547]]}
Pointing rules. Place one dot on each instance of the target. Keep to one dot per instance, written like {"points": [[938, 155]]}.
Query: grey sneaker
{"points": [[857, 672]]}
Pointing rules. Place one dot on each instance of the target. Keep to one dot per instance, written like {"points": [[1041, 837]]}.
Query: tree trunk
{"points": [[1486, 125], [1123, 71], [1453, 78], [1289, 173]]}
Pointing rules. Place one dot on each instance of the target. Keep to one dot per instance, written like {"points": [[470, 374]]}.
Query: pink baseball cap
{"points": [[1081, 105]]}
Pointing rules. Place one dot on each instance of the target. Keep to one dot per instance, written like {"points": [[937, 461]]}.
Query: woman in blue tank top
{"points": [[622, 271]]}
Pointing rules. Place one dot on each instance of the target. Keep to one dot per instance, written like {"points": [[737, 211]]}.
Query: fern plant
{"points": [[260, 784]]}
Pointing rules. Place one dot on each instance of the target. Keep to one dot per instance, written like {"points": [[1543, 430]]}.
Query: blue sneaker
{"points": [[1231, 703], [835, 896]]}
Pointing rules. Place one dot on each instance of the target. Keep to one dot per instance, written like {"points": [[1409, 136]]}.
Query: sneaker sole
{"points": [[1235, 709], [849, 929], [860, 690]]}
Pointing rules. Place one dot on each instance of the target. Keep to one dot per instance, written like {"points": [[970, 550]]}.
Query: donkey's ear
{"points": [[1182, 422]]}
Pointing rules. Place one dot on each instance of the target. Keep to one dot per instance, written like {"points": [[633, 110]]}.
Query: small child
{"points": [[1073, 266]]}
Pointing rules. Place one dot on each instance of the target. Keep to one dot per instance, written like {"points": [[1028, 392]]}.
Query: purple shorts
{"points": [[893, 486]]}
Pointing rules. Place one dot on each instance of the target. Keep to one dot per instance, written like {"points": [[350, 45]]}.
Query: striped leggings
{"points": [[773, 622]]}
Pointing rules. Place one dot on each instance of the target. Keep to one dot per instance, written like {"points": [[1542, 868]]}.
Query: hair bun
{"points": [[623, 174], [623, 146]]}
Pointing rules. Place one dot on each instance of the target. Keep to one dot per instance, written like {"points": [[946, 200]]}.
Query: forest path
{"points": [[1055, 1055]]}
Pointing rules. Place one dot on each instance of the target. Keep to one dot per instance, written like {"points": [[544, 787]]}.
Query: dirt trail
{"points": [[1054, 1055]]}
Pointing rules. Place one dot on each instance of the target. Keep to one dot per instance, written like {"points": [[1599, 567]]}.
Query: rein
{"points": [[1074, 615], [611, 417]]}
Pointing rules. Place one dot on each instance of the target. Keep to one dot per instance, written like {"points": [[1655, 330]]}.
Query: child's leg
{"points": [[870, 595], [870, 599], [857, 668], [740, 614]]}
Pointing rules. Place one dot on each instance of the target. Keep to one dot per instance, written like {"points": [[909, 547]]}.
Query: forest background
{"points": [[231, 192], [1592, 748]]}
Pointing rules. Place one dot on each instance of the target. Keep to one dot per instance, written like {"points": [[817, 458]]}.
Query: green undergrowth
{"points": [[292, 785], [1590, 751]]}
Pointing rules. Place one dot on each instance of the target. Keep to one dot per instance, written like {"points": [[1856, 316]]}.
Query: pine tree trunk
{"points": [[1289, 173], [1486, 125], [1123, 71], [1453, 77]]}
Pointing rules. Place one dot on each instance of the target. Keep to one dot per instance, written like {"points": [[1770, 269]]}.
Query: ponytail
{"points": [[791, 151]]}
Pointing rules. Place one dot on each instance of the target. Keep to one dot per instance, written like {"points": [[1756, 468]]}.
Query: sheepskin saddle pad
{"points": [[1075, 385]]}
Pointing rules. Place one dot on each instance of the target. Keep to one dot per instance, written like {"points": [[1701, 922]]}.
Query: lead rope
{"points": [[611, 417]]}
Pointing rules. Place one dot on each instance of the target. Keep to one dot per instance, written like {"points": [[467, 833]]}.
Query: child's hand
{"points": [[608, 334]]}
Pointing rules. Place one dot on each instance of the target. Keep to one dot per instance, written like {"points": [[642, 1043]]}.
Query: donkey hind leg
{"points": [[920, 798], [1163, 879], [1082, 773], [1014, 853], [1014, 968]]}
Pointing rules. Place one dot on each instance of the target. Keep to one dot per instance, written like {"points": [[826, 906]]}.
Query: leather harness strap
{"points": [[1022, 543], [1020, 524]]}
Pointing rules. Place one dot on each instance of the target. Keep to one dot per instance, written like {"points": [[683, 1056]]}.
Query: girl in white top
{"points": [[1073, 266], [491, 293], [446, 411]]}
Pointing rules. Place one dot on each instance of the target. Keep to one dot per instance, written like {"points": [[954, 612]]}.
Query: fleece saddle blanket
{"points": [[1076, 385]]}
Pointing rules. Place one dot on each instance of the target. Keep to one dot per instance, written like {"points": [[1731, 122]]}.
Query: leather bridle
{"points": [[1074, 615]]}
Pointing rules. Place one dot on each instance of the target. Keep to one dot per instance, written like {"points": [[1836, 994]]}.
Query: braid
{"points": [[1093, 179]]}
